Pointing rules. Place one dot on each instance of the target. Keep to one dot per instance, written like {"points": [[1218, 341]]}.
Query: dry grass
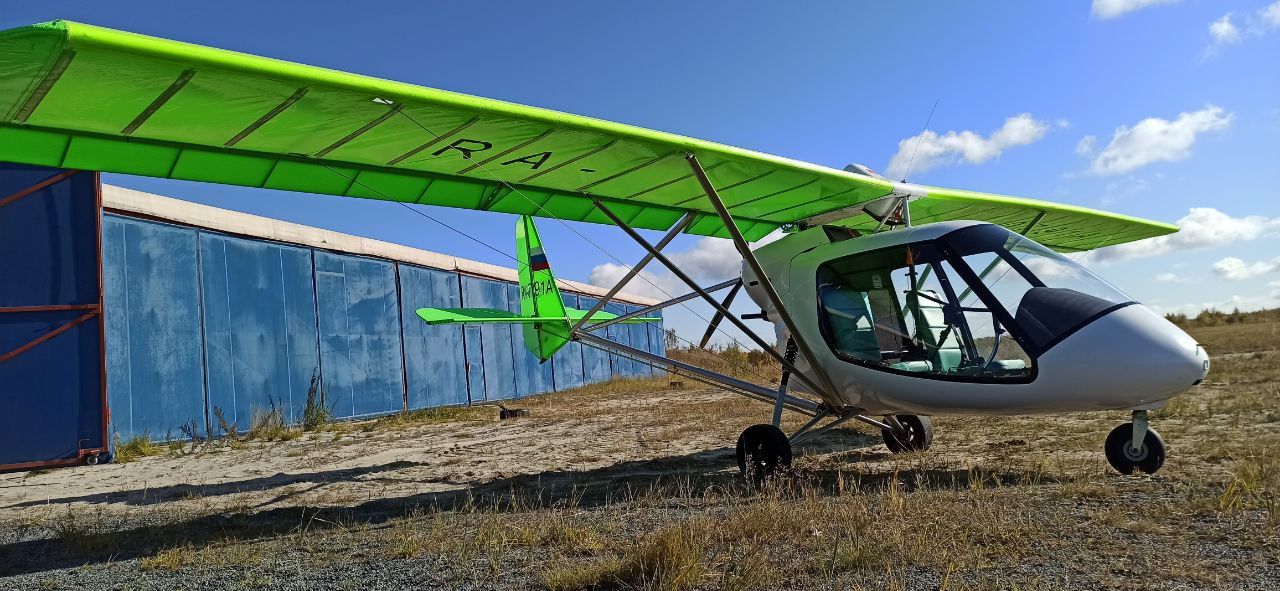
{"points": [[1238, 338], [270, 425], [999, 502], [135, 448], [429, 416]]}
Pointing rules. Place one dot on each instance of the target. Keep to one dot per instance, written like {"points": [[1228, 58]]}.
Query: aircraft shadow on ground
{"points": [[689, 475]]}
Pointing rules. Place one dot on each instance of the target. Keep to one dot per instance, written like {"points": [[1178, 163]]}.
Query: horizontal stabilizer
{"points": [[576, 315], [491, 316], [478, 316]]}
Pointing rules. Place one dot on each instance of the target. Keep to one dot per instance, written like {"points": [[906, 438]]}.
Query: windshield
{"points": [[898, 309], [979, 303], [1048, 294]]}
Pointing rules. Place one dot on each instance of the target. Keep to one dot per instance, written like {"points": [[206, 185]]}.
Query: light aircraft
{"points": [[890, 301]]}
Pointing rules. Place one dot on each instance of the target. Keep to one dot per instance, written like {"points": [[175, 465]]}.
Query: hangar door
{"points": [[51, 363]]}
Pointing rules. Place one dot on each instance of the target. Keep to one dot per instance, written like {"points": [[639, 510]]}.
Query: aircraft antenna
{"points": [[920, 137]]}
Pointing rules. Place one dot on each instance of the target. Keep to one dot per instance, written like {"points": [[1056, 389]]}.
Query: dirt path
{"points": [[332, 469]]}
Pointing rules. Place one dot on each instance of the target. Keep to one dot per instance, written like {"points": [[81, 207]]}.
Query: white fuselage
{"points": [[1127, 358]]}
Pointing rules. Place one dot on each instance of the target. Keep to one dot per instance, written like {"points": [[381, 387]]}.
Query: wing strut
{"points": [[794, 403], [635, 270], [745, 250], [660, 305], [675, 270], [715, 320]]}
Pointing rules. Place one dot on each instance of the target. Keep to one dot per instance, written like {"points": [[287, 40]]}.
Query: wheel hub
{"points": [[1135, 455]]}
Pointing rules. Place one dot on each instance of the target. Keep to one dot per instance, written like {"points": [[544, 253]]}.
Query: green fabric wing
{"points": [[79, 96]]}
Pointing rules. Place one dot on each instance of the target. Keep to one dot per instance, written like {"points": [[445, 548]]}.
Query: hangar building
{"points": [[203, 309]]}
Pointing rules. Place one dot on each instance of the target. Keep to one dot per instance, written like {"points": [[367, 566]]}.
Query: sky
{"points": [[1162, 109]]}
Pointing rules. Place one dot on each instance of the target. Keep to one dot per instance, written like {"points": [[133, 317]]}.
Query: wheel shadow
{"points": [[690, 475]]}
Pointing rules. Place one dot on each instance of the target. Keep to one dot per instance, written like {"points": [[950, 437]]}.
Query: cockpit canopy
{"points": [[978, 303]]}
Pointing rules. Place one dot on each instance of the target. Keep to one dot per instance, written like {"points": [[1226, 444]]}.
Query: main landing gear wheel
{"points": [[763, 451], [916, 434], [1128, 460]]}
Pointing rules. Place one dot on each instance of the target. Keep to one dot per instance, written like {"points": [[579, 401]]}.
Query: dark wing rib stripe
{"points": [[155, 105], [359, 132], [506, 152], [591, 152], [46, 84], [280, 108], [433, 142], [671, 182], [727, 187], [626, 172]]}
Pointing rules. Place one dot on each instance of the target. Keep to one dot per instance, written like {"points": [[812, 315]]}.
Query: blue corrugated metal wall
{"points": [[198, 319], [435, 361], [52, 394], [360, 350], [259, 326], [155, 369], [494, 339], [657, 340]]}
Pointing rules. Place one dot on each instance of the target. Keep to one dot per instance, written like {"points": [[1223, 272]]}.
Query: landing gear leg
{"points": [[1135, 446]]}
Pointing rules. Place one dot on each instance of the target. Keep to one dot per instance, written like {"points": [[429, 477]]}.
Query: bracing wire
{"points": [[920, 137], [547, 213], [352, 179]]}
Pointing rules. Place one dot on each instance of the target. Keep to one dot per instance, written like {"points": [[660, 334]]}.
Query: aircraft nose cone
{"points": [[1130, 357], [1175, 360], [1202, 359], [1171, 356]]}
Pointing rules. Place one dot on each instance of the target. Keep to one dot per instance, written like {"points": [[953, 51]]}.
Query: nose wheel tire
{"points": [[1147, 459], [917, 434], [763, 451]]}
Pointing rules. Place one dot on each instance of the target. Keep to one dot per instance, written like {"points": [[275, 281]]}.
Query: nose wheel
{"points": [[1134, 447]]}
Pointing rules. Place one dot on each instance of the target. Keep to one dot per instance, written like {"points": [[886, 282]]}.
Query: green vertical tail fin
{"points": [[539, 295]]}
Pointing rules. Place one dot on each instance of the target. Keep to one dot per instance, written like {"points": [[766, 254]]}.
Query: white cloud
{"points": [[968, 146], [1202, 227], [1235, 269], [1223, 31], [1105, 9], [1086, 145], [1157, 140], [662, 287], [1269, 16], [1170, 278]]}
